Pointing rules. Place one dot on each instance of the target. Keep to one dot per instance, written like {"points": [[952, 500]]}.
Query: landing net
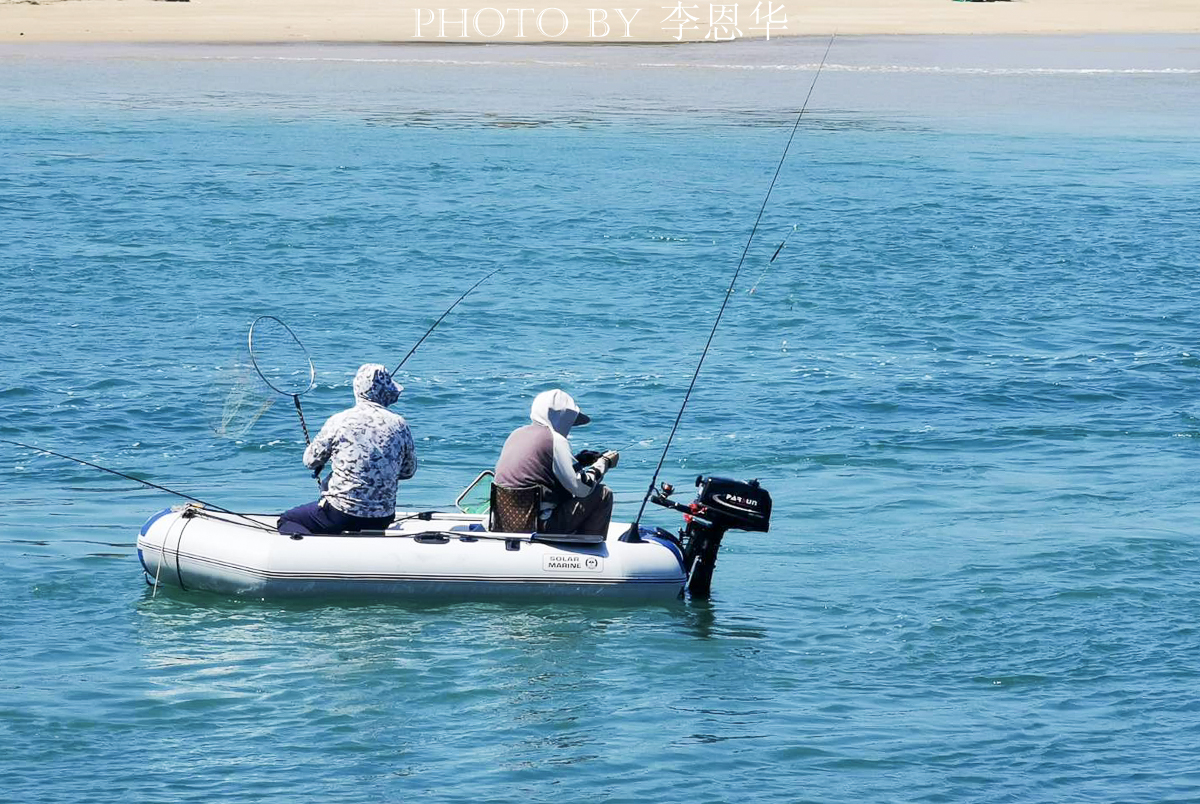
{"points": [[270, 362], [240, 397]]}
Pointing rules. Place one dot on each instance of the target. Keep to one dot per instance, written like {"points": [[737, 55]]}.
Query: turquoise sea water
{"points": [[969, 381]]}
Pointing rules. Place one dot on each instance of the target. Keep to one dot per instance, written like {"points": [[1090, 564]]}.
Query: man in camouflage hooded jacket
{"points": [[370, 449]]}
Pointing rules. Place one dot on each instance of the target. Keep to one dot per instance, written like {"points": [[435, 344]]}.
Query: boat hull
{"points": [[435, 557]]}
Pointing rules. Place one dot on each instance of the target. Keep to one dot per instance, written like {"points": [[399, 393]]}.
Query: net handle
{"points": [[312, 371]]}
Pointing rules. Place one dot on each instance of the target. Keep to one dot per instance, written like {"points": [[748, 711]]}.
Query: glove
{"points": [[609, 459]]}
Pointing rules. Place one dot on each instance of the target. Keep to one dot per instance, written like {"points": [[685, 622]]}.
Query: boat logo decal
{"points": [[572, 563], [738, 503]]}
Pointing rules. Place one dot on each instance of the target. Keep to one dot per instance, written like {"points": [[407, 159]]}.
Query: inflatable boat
{"points": [[439, 556]]}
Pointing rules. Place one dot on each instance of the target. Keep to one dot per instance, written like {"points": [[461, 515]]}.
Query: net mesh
{"points": [[239, 397]]}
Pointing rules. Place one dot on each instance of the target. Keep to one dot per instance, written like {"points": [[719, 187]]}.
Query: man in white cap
{"points": [[371, 449], [573, 498]]}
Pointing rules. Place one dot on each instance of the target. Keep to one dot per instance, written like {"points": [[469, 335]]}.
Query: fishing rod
{"points": [[442, 316], [424, 513], [122, 475], [729, 291]]}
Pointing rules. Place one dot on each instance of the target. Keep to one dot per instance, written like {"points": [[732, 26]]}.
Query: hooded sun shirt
{"points": [[539, 453], [369, 448]]}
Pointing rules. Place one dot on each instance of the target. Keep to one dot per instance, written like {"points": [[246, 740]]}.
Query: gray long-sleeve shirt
{"points": [[539, 454]]}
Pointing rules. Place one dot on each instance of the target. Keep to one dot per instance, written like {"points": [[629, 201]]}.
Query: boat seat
{"points": [[514, 510]]}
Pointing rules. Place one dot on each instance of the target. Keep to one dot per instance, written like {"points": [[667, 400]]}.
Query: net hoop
{"points": [[312, 371]]}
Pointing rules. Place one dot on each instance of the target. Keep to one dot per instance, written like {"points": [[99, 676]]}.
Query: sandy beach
{"points": [[568, 21]]}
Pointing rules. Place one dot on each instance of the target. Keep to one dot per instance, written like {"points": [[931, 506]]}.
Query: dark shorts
{"points": [[319, 517]]}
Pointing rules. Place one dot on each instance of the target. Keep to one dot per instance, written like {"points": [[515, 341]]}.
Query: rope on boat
{"points": [[178, 543], [162, 559], [732, 282]]}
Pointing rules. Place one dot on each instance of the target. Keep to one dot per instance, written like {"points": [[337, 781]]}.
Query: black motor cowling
{"points": [[734, 504], [720, 505]]}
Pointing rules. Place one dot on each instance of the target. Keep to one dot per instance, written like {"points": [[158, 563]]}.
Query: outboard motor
{"points": [[720, 505]]}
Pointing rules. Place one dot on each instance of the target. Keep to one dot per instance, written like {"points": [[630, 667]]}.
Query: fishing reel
{"points": [[720, 505], [586, 457]]}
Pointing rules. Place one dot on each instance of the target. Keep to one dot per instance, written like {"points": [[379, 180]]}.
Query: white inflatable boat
{"points": [[439, 556]]}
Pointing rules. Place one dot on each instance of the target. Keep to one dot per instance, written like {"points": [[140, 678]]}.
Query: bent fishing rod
{"points": [[428, 332], [297, 392], [285, 333], [442, 316], [729, 292]]}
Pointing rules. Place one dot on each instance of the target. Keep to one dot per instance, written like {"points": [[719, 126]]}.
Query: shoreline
{"points": [[373, 22], [907, 54]]}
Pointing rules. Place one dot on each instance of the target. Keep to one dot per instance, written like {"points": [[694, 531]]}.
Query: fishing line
{"points": [[127, 477], [443, 315], [729, 291], [754, 287]]}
